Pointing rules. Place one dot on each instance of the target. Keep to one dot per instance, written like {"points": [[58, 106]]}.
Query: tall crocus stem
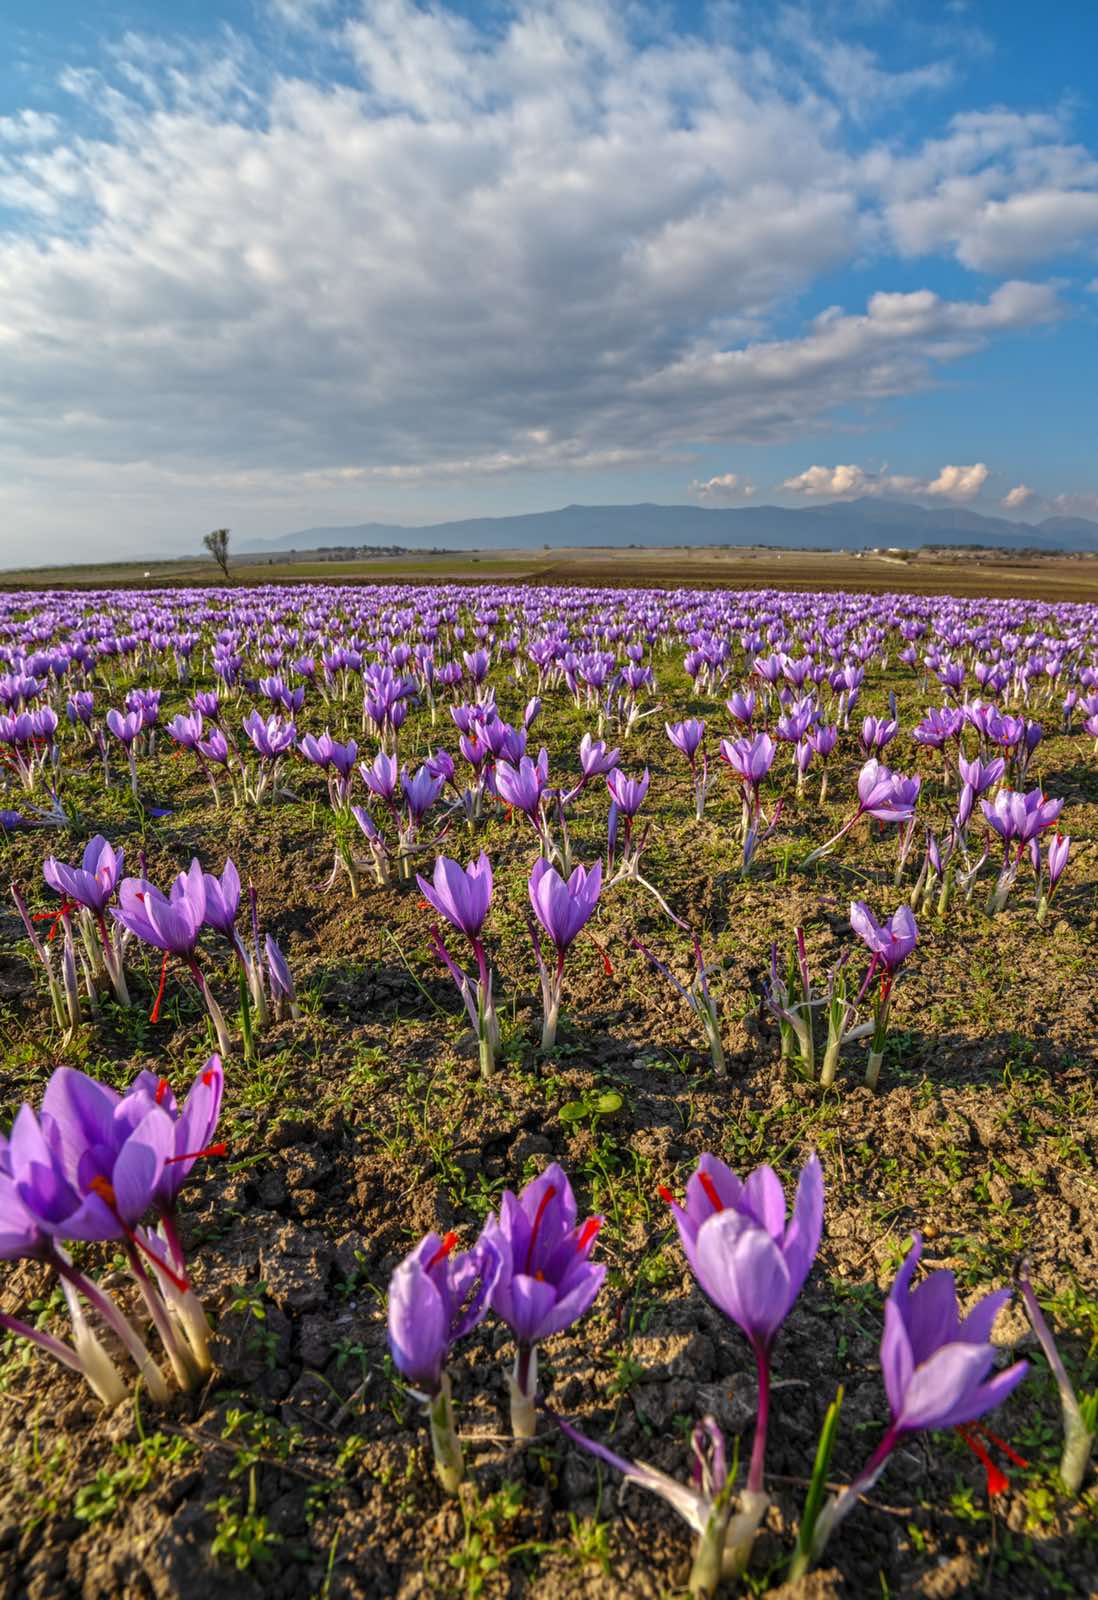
{"points": [[523, 1384], [118, 1324], [185, 1372], [758, 1448], [449, 1463]]}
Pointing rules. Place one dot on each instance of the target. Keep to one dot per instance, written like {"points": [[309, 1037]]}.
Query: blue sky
{"points": [[273, 263]]}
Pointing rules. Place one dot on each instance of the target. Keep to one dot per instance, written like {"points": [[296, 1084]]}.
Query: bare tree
{"points": [[217, 543]]}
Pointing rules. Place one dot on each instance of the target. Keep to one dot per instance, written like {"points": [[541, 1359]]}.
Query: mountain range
{"points": [[850, 525]]}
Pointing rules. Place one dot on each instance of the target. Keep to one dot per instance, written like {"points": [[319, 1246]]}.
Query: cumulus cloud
{"points": [[847, 481], [959, 483], [724, 489], [1000, 190], [436, 260], [828, 482], [1016, 498]]}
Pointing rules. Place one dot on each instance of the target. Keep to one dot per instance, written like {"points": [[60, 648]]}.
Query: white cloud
{"points": [[724, 489], [846, 481], [1016, 498], [1001, 190], [959, 483], [828, 481]]}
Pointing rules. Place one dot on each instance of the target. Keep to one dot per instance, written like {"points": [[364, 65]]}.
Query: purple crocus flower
{"points": [[125, 728], [885, 794], [1020, 816], [890, 944], [223, 900], [935, 1366], [751, 758], [93, 882], [270, 736], [186, 731], [524, 785], [595, 759], [382, 777], [546, 1280], [194, 1125], [460, 894], [980, 775], [420, 792], [564, 907], [169, 922], [686, 736], [435, 1299], [742, 707], [748, 1259], [89, 1167], [627, 793]]}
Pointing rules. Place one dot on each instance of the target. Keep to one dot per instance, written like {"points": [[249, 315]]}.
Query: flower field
{"points": [[547, 1092]]}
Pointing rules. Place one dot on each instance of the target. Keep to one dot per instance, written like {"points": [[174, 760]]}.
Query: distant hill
{"points": [[851, 525]]}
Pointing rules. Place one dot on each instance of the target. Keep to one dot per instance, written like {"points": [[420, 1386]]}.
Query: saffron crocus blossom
{"points": [[749, 1260], [172, 923], [627, 793], [563, 907], [462, 896], [980, 775], [886, 795], [87, 1170], [1056, 857], [1018, 819], [546, 1280], [194, 1124], [889, 945], [92, 883], [436, 1297], [90, 886], [1080, 1417], [687, 736], [935, 1368], [705, 1504]]}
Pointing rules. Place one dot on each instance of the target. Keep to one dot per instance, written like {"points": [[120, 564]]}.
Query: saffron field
{"points": [[547, 1092]]}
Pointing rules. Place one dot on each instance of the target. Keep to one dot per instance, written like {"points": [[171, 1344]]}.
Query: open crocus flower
{"points": [[172, 923], [436, 1297], [93, 882], [891, 943], [749, 1260], [546, 1281], [936, 1368]]}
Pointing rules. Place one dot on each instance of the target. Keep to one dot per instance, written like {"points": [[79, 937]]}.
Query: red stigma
{"points": [[665, 1195], [590, 1229], [208, 1077], [1000, 1444], [161, 1090], [443, 1250], [154, 1014], [997, 1480], [539, 1213], [711, 1191], [196, 1155]]}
